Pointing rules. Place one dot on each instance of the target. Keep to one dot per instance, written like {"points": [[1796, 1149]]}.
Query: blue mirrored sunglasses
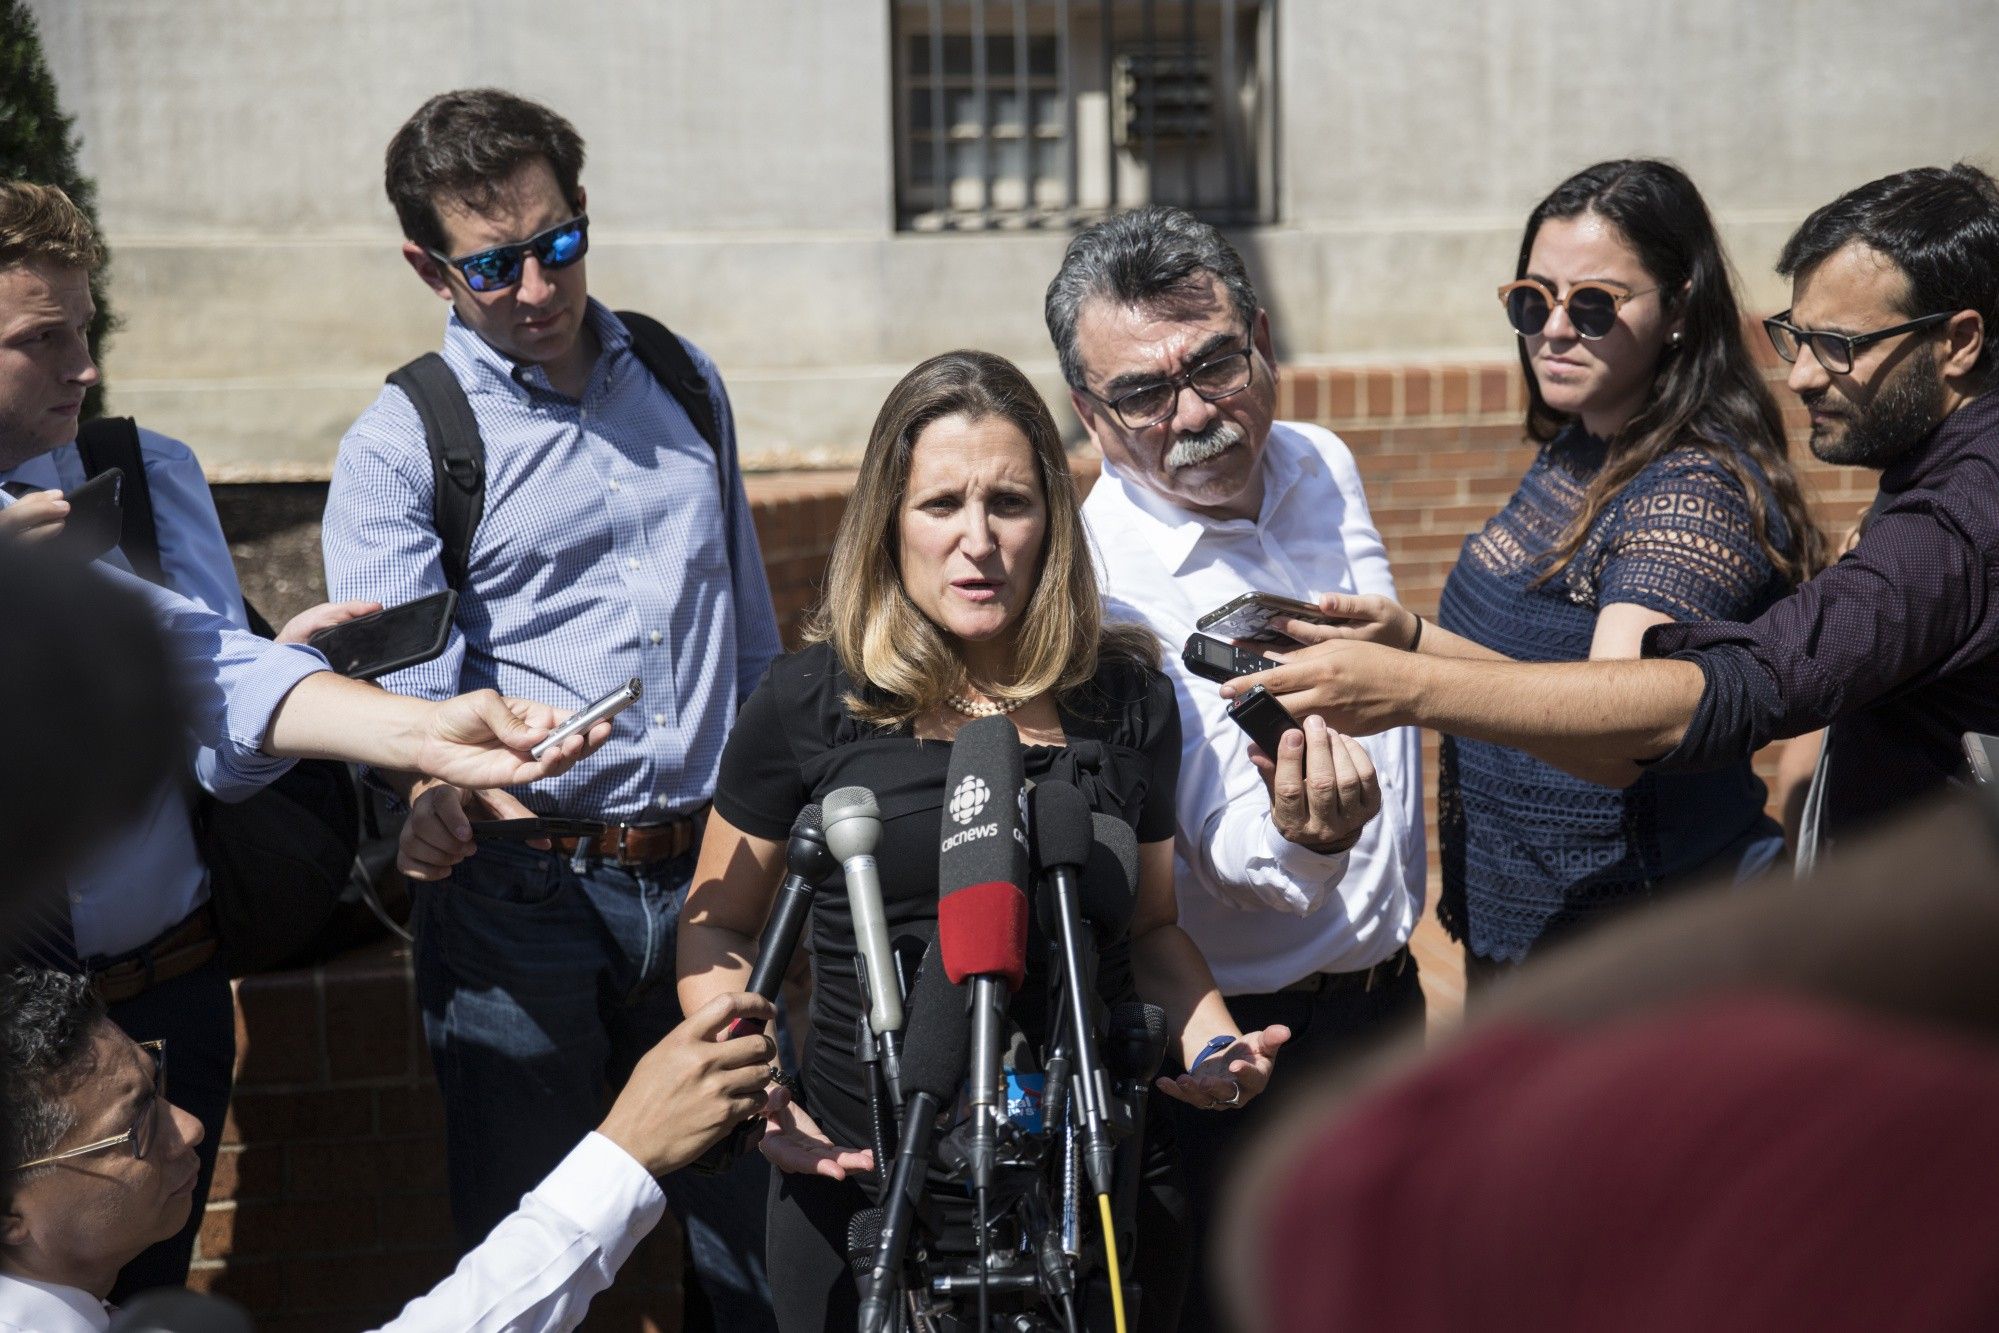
{"points": [[500, 267]]}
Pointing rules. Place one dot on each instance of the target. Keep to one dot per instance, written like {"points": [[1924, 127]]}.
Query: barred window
{"points": [[1026, 113]]}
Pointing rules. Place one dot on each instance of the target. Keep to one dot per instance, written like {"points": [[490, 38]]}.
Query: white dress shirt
{"points": [[28, 1306], [539, 1268], [535, 1273], [144, 877], [1264, 910]]}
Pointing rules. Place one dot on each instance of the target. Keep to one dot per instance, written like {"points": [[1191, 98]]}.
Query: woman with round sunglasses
{"points": [[1661, 492]]}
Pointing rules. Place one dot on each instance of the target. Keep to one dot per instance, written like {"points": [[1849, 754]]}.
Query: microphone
{"points": [[933, 1068], [853, 830], [1134, 1047], [1063, 841], [1110, 880], [808, 864], [982, 906]]}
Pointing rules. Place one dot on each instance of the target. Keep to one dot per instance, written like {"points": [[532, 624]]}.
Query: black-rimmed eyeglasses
{"points": [[1834, 350], [1213, 379], [140, 1133]]}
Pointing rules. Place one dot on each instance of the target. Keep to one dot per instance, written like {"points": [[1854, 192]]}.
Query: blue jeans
{"points": [[542, 981]]}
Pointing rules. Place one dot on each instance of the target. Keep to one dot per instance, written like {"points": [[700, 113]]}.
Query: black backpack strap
{"points": [[110, 442], [457, 458], [660, 350], [666, 357]]}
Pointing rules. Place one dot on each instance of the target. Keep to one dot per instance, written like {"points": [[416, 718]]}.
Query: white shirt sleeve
{"points": [[538, 1270]]}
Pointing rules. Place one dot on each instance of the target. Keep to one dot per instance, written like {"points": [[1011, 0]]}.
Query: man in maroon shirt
{"points": [[1895, 286]]}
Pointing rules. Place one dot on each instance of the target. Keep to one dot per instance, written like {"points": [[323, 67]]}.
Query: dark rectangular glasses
{"points": [[1833, 350], [499, 268], [1592, 306], [1213, 379]]}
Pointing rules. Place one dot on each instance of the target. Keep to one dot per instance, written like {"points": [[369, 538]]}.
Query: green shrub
{"points": [[38, 143]]}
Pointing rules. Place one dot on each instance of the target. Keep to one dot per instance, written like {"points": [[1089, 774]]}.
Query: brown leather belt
{"points": [[1364, 980], [178, 951], [638, 844]]}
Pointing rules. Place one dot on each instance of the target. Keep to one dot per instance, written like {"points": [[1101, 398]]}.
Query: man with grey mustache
{"points": [[1300, 874]]}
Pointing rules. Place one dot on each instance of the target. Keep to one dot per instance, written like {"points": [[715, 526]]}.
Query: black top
{"points": [[1894, 645], [795, 742]]}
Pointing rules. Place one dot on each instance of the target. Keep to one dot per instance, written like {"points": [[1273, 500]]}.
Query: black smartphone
{"points": [[1983, 752], [1208, 656], [1266, 720], [524, 830], [1248, 618], [96, 518], [390, 639]]}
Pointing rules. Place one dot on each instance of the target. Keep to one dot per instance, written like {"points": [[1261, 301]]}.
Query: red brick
{"points": [[321, 1283], [292, 1227], [278, 1035], [1380, 390], [1416, 396], [368, 1025], [1492, 387], [1453, 390], [1342, 395], [254, 1284], [1403, 489], [280, 1117], [419, 1222], [253, 1171], [415, 1109], [1287, 396], [1305, 404]]}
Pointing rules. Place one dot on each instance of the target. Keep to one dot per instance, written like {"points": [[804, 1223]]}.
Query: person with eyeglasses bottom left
{"points": [[96, 1165]]}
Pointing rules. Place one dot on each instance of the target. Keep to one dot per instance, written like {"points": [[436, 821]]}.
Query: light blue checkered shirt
{"points": [[601, 556]]}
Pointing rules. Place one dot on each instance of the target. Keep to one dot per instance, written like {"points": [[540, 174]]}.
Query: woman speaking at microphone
{"points": [[960, 586]]}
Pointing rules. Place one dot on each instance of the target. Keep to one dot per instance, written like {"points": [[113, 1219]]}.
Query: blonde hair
{"points": [[904, 663], [40, 222]]}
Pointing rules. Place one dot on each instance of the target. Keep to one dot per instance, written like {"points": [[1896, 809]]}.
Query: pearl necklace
{"points": [[981, 707]]}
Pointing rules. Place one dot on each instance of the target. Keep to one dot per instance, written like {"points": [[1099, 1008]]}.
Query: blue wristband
{"points": [[1215, 1046]]}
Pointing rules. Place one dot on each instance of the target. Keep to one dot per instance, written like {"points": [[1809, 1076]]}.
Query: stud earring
{"points": [[1673, 338]]}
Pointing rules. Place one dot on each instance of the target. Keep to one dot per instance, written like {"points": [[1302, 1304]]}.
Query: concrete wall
{"points": [[741, 179]]}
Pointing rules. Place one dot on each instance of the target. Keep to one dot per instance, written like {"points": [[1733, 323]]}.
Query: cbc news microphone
{"points": [[853, 830], [808, 863], [982, 904], [933, 1069]]}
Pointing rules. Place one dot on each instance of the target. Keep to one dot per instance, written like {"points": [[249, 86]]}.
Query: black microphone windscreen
{"points": [[864, 1238], [1110, 878], [1059, 816], [808, 820], [936, 1046]]}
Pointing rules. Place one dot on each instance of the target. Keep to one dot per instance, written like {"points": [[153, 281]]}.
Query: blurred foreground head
{"points": [[91, 717], [1768, 1107]]}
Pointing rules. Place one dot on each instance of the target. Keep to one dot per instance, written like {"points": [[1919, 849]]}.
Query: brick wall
{"points": [[329, 1210]]}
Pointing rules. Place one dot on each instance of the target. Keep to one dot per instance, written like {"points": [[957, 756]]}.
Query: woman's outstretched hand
{"points": [[1365, 616], [794, 1142]]}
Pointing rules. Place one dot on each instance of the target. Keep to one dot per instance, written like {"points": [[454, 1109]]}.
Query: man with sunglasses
{"points": [[600, 554], [1299, 874], [96, 1164], [1895, 295]]}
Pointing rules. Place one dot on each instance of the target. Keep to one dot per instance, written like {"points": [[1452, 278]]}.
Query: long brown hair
{"points": [[1707, 392], [906, 663]]}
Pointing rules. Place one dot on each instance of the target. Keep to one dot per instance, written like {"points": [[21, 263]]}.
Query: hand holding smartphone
{"points": [[1266, 720], [390, 639], [96, 518], [1248, 618]]}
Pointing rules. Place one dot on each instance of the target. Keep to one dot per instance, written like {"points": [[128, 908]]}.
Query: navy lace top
{"points": [[1527, 850]]}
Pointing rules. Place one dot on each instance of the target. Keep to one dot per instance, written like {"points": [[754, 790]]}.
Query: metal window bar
{"points": [[1157, 83]]}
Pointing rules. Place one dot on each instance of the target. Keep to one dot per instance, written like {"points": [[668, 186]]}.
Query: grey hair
{"points": [[1155, 258], [46, 1022]]}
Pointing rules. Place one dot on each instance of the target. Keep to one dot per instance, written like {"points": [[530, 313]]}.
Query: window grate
{"points": [[1051, 113]]}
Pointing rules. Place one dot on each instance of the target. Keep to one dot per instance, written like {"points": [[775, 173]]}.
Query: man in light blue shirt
{"points": [[136, 918], [615, 542]]}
